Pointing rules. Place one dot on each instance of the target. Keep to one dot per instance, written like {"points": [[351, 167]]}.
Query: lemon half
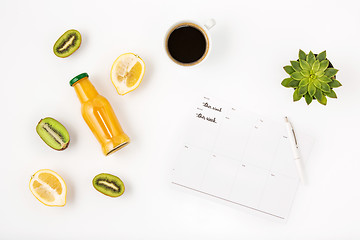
{"points": [[48, 187], [127, 72]]}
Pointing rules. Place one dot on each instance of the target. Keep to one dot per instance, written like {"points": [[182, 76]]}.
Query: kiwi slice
{"points": [[53, 133], [109, 185], [67, 44]]}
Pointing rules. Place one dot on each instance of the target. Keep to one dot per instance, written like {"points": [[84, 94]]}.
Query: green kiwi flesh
{"points": [[53, 133], [109, 185], [67, 44]]}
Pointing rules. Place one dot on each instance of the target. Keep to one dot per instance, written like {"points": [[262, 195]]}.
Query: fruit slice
{"points": [[67, 44], [108, 184], [48, 187], [53, 133], [127, 72]]}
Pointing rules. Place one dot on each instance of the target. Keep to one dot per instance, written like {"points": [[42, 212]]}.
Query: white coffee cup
{"points": [[203, 28]]}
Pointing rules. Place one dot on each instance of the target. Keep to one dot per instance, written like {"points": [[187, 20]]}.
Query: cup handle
{"points": [[210, 23]]}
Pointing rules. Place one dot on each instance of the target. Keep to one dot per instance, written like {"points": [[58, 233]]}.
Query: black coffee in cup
{"points": [[187, 44]]}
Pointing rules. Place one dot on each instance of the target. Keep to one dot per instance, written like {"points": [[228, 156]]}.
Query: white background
{"points": [[252, 41]]}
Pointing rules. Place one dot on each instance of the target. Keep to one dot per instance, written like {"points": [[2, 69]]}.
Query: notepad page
{"points": [[236, 156]]}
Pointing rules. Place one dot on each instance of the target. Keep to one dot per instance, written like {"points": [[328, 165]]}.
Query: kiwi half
{"points": [[109, 185], [53, 133], [67, 44]]}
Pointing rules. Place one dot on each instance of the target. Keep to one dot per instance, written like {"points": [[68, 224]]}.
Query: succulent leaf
{"points": [[289, 69], [304, 82], [304, 65], [318, 94], [330, 72], [316, 66], [311, 89], [296, 95], [331, 94], [296, 65], [335, 83], [294, 83], [325, 87], [305, 73], [297, 76], [321, 56], [286, 82], [324, 65], [324, 79], [302, 55], [310, 58], [319, 73], [323, 100], [317, 83], [308, 98], [303, 89]]}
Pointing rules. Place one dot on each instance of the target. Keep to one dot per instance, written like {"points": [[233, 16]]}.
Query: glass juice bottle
{"points": [[99, 115]]}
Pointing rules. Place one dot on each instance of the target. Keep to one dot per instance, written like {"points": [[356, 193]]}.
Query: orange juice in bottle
{"points": [[99, 115]]}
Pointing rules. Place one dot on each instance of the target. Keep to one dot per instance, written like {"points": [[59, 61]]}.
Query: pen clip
{"points": [[296, 143], [292, 129]]}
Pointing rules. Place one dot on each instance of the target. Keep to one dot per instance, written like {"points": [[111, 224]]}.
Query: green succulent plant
{"points": [[312, 76]]}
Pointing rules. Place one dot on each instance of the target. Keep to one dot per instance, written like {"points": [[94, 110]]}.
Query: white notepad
{"points": [[237, 157]]}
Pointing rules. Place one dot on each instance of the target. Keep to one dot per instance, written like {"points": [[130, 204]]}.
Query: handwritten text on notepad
{"points": [[201, 116], [205, 104]]}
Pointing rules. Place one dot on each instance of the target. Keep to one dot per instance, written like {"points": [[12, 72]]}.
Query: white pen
{"points": [[295, 149]]}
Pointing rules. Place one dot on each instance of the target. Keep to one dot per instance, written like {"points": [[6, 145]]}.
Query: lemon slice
{"points": [[127, 72], [48, 187]]}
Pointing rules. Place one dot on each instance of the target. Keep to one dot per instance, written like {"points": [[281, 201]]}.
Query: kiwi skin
{"points": [[71, 37], [110, 179], [40, 131]]}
